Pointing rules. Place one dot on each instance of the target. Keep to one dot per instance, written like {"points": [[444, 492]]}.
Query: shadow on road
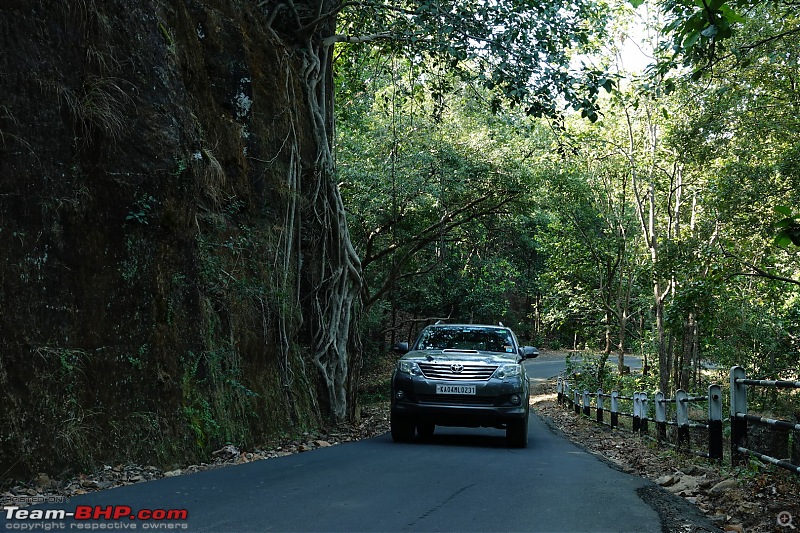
{"points": [[463, 437]]}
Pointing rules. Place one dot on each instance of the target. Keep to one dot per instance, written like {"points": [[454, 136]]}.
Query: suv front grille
{"points": [[457, 371], [453, 399]]}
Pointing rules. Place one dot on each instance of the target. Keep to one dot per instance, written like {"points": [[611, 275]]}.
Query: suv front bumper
{"points": [[490, 407]]}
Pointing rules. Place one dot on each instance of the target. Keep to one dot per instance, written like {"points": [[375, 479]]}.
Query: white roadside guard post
{"points": [[614, 409], [637, 412], [682, 409], [587, 411], [645, 412], [740, 418], [600, 406], [738, 406], [560, 390], [661, 417], [715, 422]]}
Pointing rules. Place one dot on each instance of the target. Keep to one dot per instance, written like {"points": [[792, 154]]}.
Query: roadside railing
{"points": [[740, 418], [675, 412], [639, 412]]}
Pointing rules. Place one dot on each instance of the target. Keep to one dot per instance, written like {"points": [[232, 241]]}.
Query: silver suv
{"points": [[461, 375]]}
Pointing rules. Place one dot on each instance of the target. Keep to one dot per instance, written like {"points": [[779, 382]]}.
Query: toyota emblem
{"points": [[457, 368]]}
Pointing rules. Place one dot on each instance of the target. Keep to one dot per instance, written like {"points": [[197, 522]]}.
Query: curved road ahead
{"points": [[461, 480], [551, 364]]}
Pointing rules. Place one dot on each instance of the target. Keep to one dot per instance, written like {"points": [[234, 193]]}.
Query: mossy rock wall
{"points": [[143, 151]]}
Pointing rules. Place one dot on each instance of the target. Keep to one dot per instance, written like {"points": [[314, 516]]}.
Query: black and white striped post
{"points": [[715, 422], [637, 412], [740, 418], [567, 392], [587, 411], [682, 410], [661, 417], [645, 411], [560, 390], [600, 406], [738, 405], [614, 409], [576, 402]]}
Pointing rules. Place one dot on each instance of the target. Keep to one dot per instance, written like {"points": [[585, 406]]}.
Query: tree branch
{"points": [[351, 39], [757, 272], [445, 224]]}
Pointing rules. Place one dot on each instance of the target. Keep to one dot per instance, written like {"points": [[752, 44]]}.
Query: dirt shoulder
{"points": [[752, 499]]}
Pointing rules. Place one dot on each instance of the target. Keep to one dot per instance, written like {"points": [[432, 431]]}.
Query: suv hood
{"points": [[445, 356]]}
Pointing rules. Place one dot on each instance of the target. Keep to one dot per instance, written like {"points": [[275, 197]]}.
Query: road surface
{"points": [[551, 364], [461, 480]]}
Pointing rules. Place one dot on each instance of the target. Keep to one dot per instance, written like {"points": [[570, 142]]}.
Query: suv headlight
{"points": [[508, 371], [409, 367]]}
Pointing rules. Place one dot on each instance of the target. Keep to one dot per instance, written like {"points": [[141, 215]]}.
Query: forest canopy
{"points": [[666, 225]]}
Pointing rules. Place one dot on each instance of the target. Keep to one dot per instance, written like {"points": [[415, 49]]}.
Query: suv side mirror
{"points": [[400, 347], [529, 352]]}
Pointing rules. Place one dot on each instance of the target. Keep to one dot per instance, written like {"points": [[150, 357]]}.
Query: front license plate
{"points": [[455, 389]]}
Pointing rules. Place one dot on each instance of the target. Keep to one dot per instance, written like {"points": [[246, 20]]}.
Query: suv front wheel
{"points": [[403, 428], [425, 429], [517, 433]]}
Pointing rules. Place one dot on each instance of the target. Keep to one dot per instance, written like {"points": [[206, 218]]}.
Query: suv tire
{"points": [[402, 428], [425, 429], [517, 433]]}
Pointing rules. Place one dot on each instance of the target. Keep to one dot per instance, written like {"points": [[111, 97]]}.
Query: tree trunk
{"points": [[623, 327], [664, 363], [331, 269]]}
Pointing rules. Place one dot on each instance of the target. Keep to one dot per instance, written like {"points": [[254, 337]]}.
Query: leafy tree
{"points": [[750, 187], [703, 35], [523, 49], [594, 230], [432, 183]]}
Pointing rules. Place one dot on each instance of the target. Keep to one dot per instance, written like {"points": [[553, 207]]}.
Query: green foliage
{"points": [[523, 51], [136, 360], [788, 227], [592, 372], [214, 398], [143, 210], [431, 184], [137, 260], [663, 204], [588, 371]]}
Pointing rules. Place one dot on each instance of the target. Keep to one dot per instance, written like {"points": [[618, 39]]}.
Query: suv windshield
{"points": [[466, 338]]}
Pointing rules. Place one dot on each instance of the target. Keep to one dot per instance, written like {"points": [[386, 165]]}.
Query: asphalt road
{"points": [[549, 365], [461, 480]]}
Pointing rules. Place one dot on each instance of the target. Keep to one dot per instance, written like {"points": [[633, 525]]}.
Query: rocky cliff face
{"points": [[146, 301]]}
